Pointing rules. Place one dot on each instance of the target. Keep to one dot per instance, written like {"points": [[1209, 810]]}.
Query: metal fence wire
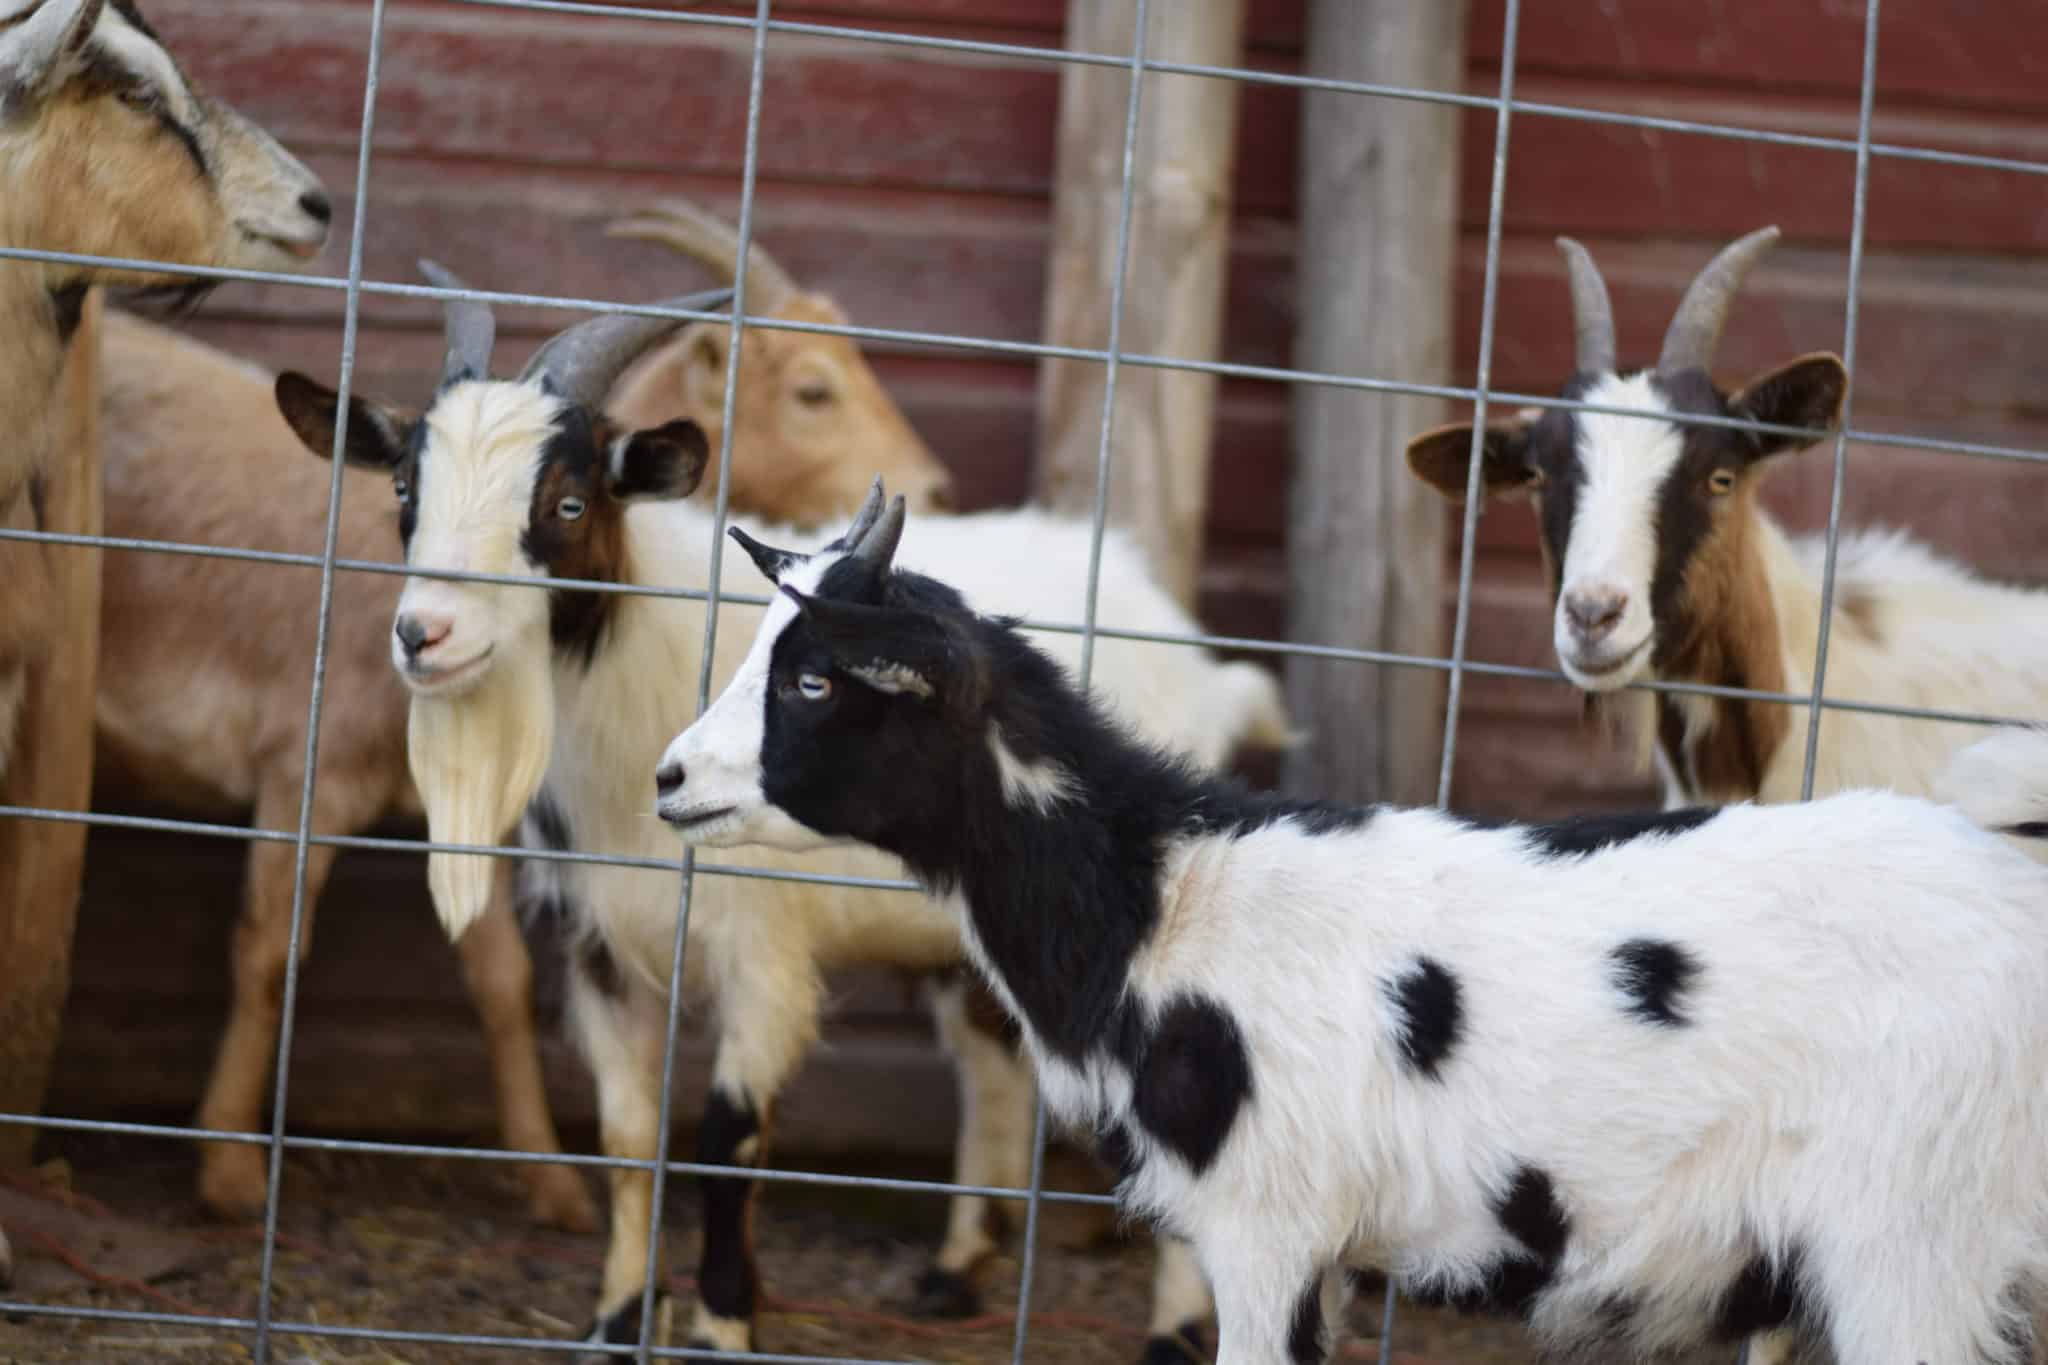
{"points": [[265, 1326]]}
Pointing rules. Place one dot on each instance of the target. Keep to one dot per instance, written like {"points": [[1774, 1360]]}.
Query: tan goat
{"points": [[810, 399], [235, 738], [106, 149]]}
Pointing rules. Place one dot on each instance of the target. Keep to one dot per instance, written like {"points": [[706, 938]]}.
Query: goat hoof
{"points": [[1182, 1347], [945, 1294], [621, 1327], [234, 1182], [556, 1197]]}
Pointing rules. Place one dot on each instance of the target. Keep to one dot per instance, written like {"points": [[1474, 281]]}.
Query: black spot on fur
{"points": [[1762, 1296], [1529, 1212], [727, 1282], [1307, 1337], [1655, 975], [1194, 1078], [1591, 833], [944, 1294], [68, 302], [1432, 1014]]}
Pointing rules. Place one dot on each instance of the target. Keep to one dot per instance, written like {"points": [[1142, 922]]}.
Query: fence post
{"points": [[1180, 210], [43, 861], [1376, 252]]}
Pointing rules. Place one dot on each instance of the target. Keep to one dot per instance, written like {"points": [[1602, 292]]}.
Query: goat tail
{"points": [[2001, 782], [1248, 710]]}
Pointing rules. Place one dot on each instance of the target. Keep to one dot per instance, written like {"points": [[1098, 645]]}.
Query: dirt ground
{"points": [[441, 1245]]}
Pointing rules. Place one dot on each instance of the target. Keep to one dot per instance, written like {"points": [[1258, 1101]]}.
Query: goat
{"points": [[810, 398], [1662, 565], [239, 743], [108, 151], [525, 477], [1647, 1080]]}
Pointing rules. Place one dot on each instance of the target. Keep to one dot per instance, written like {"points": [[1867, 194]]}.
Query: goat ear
{"points": [[376, 434], [703, 369], [1806, 392], [1442, 456], [37, 52], [661, 463], [772, 563], [898, 651]]}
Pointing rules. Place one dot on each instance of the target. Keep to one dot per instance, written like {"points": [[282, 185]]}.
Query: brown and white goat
{"points": [[1663, 565], [107, 150], [811, 399], [197, 453]]}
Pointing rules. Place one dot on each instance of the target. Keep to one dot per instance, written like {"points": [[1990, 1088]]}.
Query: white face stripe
{"points": [[147, 59], [1623, 463]]}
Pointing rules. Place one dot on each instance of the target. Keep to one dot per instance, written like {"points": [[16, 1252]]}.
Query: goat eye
{"points": [[568, 509], [140, 98], [401, 488], [1721, 481], [813, 686], [813, 395]]}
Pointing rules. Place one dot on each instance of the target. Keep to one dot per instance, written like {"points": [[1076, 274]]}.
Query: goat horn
{"points": [[704, 237], [471, 328], [1592, 311], [1695, 329], [584, 362], [870, 508], [877, 549]]}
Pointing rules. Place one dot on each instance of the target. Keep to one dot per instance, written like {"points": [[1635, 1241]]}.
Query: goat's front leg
{"points": [[767, 1017], [620, 1024], [499, 973], [1274, 1306], [994, 1148], [234, 1177], [1180, 1305]]}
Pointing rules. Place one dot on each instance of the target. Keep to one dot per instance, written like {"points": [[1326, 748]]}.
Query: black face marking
{"points": [[1194, 1078], [548, 824], [727, 1281], [1655, 976], [1764, 1295], [594, 959], [2029, 829], [68, 302], [1307, 1339], [406, 477], [589, 546], [127, 10], [1591, 833], [1432, 1015], [103, 75]]}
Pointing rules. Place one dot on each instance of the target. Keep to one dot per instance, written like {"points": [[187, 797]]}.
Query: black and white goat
{"points": [[1648, 1080], [528, 477], [1663, 565]]}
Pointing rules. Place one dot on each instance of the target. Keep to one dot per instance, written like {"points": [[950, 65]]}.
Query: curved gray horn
{"points": [[1695, 330], [470, 326], [864, 519], [877, 548], [1592, 313], [584, 362]]}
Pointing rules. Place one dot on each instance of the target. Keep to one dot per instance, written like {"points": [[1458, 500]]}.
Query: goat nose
{"points": [[317, 206], [1596, 612], [417, 634], [668, 779]]}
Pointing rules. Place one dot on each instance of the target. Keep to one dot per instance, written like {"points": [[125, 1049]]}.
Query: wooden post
{"points": [[41, 861], [1376, 250], [1173, 294]]}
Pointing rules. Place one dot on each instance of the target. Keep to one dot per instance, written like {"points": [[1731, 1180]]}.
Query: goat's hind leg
{"points": [[620, 1025], [994, 1146]]}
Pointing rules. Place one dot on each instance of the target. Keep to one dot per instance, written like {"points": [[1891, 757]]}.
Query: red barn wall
{"points": [[915, 187]]}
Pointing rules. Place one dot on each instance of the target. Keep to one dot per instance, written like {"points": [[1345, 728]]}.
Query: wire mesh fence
{"points": [[264, 1326]]}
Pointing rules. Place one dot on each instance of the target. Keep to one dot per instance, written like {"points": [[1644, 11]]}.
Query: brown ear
{"points": [[1806, 392], [1442, 457], [376, 433]]}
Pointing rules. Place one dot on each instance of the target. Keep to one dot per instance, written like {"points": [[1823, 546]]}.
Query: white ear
{"points": [[33, 53]]}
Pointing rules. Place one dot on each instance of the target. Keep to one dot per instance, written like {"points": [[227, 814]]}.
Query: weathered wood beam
{"points": [[1377, 248], [1173, 294]]}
